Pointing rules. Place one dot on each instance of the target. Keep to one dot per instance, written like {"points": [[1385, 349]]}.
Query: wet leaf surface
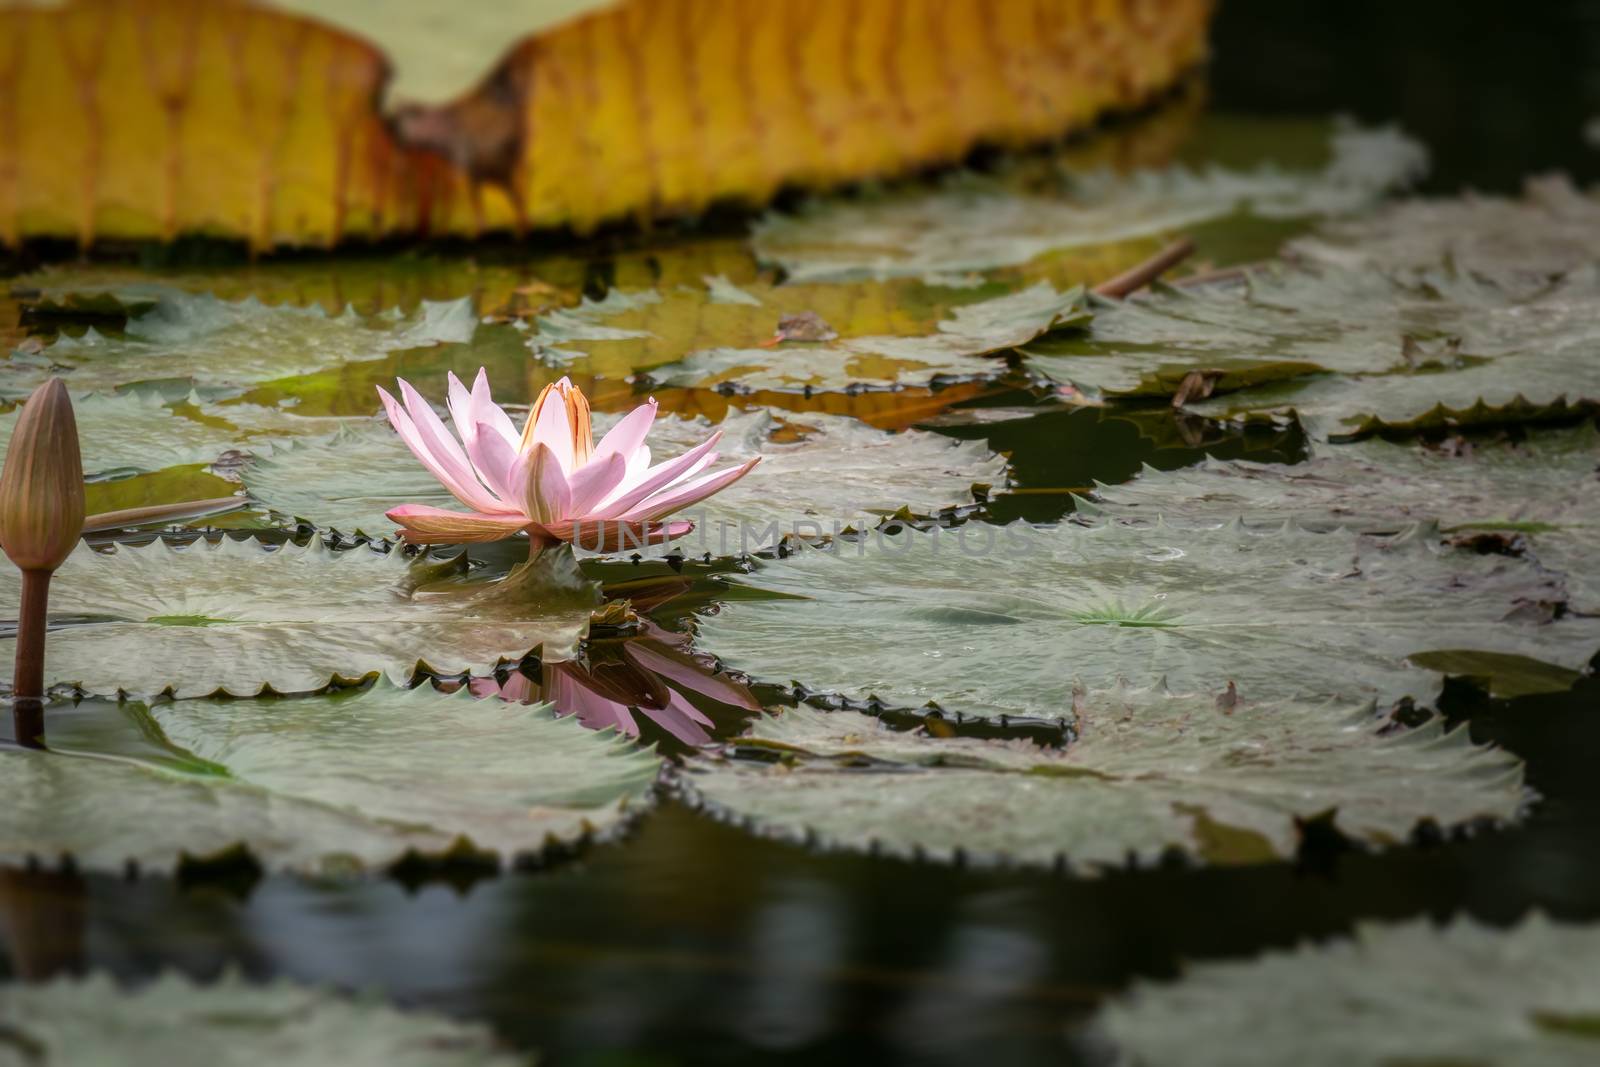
{"points": [[888, 362], [222, 346], [1520, 243], [123, 433], [979, 223], [1543, 490], [1148, 771], [232, 1021], [989, 621], [320, 784], [240, 617], [1394, 993], [1445, 338]]}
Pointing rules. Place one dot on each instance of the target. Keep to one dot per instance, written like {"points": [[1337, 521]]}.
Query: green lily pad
{"points": [[634, 330], [132, 432], [232, 1023], [1401, 993], [294, 619], [1526, 359], [324, 784], [1148, 771], [1285, 324], [986, 620], [838, 468], [979, 223], [1551, 230], [1545, 489], [226, 345], [973, 330]]}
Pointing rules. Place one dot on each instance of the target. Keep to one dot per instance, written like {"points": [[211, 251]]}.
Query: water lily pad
{"points": [[822, 468], [888, 362], [986, 620], [1284, 324], [1551, 230], [1402, 993], [1524, 359], [225, 345], [1545, 489], [232, 1023], [237, 617], [1149, 771], [635, 330], [132, 432], [324, 784], [978, 224]]}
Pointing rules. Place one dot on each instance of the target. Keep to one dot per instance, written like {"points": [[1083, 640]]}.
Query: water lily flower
{"points": [[550, 479]]}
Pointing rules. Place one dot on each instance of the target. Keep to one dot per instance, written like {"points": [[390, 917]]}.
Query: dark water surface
{"points": [[693, 942]]}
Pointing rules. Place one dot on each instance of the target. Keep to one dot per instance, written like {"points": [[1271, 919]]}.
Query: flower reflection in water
{"points": [[652, 674]]}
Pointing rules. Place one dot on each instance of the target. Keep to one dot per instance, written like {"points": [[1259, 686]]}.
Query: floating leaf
{"points": [[637, 329], [1523, 243], [834, 467], [978, 224], [253, 122], [324, 784], [238, 617], [1290, 323], [231, 1021], [1149, 771], [135, 431], [1532, 362], [1545, 489], [1402, 993], [986, 620], [973, 330], [224, 345]]}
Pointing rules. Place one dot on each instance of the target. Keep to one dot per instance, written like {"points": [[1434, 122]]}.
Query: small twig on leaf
{"points": [[1136, 278]]}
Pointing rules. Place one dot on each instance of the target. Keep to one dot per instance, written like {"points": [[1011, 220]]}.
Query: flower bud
{"points": [[41, 488]]}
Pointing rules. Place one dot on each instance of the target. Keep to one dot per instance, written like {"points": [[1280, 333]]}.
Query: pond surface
{"points": [[689, 940]]}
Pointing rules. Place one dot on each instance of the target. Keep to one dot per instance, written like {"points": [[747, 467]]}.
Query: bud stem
{"points": [[28, 678]]}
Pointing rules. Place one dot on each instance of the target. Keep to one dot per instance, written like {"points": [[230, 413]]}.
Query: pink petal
{"points": [[564, 686], [592, 482], [423, 525], [547, 497], [442, 443], [457, 478], [485, 410], [679, 497], [629, 433], [498, 463], [682, 720], [684, 672], [656, 479], [554, 431]]}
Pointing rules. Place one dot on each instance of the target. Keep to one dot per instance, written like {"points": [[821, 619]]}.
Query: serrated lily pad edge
{"points": [[462, 855], [677, 783]]}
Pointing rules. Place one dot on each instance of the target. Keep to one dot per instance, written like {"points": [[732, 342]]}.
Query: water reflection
{"points": [[43, 915], [649, 685]]}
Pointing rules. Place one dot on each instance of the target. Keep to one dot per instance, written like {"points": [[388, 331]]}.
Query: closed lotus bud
{"points": [[41, 488]]}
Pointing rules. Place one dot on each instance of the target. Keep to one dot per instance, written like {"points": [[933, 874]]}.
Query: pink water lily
{"points": [[549, 479]]}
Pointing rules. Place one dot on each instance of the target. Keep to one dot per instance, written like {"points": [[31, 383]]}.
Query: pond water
{"points": [[687, 939]]}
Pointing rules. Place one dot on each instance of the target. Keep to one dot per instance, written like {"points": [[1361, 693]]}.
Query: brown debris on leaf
{"points": [[1196, 385], [801, 326]]}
